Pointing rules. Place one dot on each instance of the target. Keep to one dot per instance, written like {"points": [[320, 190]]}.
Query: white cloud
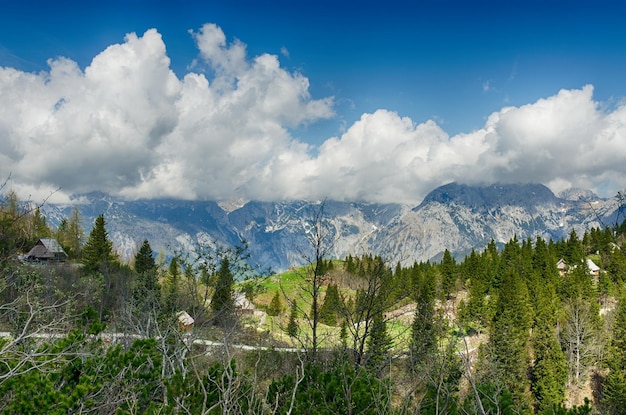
{"points": [[97, 128], [562, 141], [127, 124]]}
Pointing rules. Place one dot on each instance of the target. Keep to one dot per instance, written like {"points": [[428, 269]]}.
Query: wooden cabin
{"points": [[47, 249], [185, 321]]}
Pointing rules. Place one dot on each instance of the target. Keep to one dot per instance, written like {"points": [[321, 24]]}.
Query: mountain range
{"points": [[455, 216]]}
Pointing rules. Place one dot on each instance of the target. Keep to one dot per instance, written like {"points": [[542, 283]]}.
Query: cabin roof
{"points": [[47, 248]]}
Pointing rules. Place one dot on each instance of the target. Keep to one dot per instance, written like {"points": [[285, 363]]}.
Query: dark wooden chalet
{"points": [[47, 249]]}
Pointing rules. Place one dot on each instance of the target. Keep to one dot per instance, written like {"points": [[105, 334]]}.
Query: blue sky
{"points": [[450, 63]]}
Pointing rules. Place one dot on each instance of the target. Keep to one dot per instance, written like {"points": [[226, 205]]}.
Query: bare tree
{"points": [[320, 244], [580, 338], [34, 323]]}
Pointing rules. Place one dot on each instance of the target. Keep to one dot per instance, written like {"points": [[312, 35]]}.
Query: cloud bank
{"points": [[127, 125]]}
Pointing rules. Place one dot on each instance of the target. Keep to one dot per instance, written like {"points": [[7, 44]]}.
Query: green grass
{"points": [[292, 286]]}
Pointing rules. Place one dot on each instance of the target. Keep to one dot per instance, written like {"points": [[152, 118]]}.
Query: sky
{"points": [[365, 101]]}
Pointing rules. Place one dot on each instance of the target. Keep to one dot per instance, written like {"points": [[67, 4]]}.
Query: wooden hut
{"points": [[47, 249], [562, 267], [185, 321]]}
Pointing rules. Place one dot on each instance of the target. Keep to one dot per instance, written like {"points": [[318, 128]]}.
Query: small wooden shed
{"points": [[185, 321], [593, 268], [47, 249], [242, 304], [562, 267]]}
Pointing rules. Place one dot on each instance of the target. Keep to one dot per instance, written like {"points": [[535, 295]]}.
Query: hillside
{"points": [[549, 313]]}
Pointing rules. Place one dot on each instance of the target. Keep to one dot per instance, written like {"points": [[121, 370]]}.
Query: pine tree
{"points": [[276, 306], [292, 326], [549, 372], [349, 266], [424, 328], [144, 260], [448, 274], [98, 250], [509, 338], [146, 290], [575, 252], [343, 334], [171, 288], [475, 271], [331, 306], [378, 343], [614, 399], [222, 302]]}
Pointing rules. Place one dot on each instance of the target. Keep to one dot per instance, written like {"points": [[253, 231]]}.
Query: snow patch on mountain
{"points": [[455, 217]]}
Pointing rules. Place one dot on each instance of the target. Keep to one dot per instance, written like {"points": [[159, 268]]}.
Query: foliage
{"points": [[276, 306], [71, 235], [331, 307], [379, 344], [340, 389], [509, 337], [222, 302], [292, 326], [546, 335], [614, 387], [424, 329], [98, 251], [145, 305], [448, 274]]}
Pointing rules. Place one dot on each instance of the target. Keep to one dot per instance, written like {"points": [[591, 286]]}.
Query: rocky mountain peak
{"points": [[576, 194], [490, 196], [457, 217]]}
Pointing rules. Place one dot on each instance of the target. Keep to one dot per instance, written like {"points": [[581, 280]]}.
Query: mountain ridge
{"points": [[456, 217]]}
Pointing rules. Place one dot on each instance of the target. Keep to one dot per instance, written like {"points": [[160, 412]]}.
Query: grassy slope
{"points": [[291, 286]]}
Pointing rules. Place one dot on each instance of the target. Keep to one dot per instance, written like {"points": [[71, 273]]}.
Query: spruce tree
{"points": [[614, 399], [424, 329], [331, 306], [448, 274], [144, 260], [146, 290], [509, 339], [98, 250], [276, 306], [171, 288], [222, 302], [378, 343], [292, 326]]}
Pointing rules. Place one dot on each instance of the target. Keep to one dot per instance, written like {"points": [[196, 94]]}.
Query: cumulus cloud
{"points": [[126, 124], [562, 141], [91, 129]]}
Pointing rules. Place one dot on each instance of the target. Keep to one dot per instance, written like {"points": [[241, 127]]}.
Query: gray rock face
{"points": [[454, 217]]}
